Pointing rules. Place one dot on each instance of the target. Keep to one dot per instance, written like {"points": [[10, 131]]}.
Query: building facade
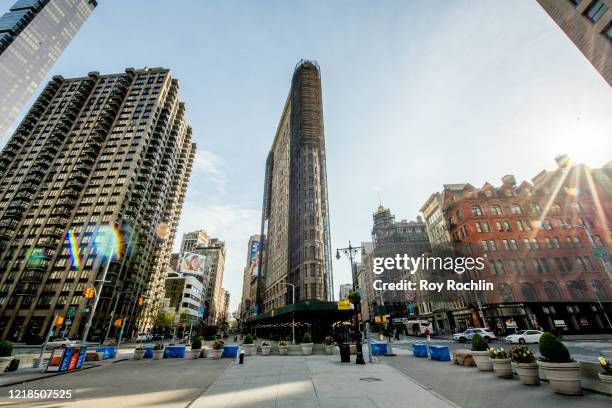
{"points": [[194, 239], [33, 34], [295, 219], [92, 152], [248, 302], [588, 23], [391, 238], [185, 294], [546, 245]]}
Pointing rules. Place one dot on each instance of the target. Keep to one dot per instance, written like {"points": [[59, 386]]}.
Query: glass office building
{"points": [[33, 34]]}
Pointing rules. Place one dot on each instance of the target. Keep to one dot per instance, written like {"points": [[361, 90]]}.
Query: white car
{"points": [[487, 334], [143, 337], [61, 341], [524, 336]]}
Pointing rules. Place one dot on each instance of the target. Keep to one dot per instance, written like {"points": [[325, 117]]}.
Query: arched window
{"points": [[505, 291], [552, 291], [496, 210], [476, 210], [576, 290], [516, 209], [529, 292]]}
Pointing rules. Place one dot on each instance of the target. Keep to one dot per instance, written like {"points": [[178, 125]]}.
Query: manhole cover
{"points": [[370, 379]]}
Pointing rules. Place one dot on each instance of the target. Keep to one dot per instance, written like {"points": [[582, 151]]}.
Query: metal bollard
{"points": [[241, 357]]}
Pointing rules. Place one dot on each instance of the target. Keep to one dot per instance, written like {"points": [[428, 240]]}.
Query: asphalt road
{"points": [[130, 383]]}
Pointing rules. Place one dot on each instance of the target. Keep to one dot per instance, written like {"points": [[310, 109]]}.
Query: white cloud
{"points": [[209, 164]]}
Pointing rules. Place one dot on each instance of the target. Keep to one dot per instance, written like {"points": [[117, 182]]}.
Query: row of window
{"points": [[563, 264]]}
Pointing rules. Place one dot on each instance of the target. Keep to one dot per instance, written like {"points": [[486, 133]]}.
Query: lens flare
{"points": [[117, 238], [74, 249]]}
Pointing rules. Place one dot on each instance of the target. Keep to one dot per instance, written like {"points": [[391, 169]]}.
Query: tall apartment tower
{"points": [[295, 219], [588, 23], [92, 152], [249, 278], [33, 34], [191, 240]]}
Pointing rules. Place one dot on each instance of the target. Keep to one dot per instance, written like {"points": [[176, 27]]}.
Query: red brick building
{"points": [[538, 240]]}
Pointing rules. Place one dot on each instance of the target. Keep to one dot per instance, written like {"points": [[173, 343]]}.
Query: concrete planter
{"points": [[282, 350], [528, 373], [513, 364], [265, 350], [138, 354], [4, 363], [606, 380], [564, 378], [306, 349], [204, 352], [215, 354], [195, 353], [329, 349], [502, 367], [249, 349], [158, 354], [482, 360]]}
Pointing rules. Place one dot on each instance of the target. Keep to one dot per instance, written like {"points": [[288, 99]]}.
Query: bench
{"points": [[463, 357], [439, 353], [419, 350]]}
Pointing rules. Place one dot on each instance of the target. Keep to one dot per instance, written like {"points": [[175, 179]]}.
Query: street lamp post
{"points": [[293, 313], [350, 251]]}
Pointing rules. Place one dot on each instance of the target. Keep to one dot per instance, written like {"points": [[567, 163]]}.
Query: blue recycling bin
{"points": [[439, 353], [230, 351], [174, 352], [379, 349], [108, 352], [148, 352], [419, 350]]}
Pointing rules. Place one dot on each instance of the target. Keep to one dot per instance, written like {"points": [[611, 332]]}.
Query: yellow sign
{"points": [[59, 320], [344, 304], [118, 322]]}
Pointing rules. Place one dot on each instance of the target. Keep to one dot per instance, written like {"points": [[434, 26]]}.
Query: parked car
{"points": [[524, 336], [144, 337], [61, 341], [157, 337], [487, 334]]}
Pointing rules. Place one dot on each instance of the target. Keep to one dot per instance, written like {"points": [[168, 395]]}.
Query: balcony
{"points": [[38, 170], [7, 223], [33, 177], [57, 221], [49, 242], [29, 277], [10, 150], [52, 232], [29, 187], [66, 202], [6, 233], [23, 290]]}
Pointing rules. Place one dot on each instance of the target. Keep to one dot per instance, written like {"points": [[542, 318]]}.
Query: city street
{"points": [[581, 350]]}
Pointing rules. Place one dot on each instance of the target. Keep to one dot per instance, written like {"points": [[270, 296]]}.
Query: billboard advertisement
{"points": [[253, 262], [191, 263]]}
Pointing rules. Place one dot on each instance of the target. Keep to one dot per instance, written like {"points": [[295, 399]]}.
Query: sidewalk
{"points": [[314, 382]]}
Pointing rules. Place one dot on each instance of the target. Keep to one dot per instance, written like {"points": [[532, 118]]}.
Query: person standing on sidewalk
{"points": [[427, 333]]}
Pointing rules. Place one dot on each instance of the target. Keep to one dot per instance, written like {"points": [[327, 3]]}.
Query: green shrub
{"points": [[307, 338], [552, 349], [478, 343], [329, 341], [196, 343], [6, 348], [248, 339]]}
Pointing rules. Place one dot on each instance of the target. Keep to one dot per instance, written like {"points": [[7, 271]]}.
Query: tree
{"points": [[165, 318]]}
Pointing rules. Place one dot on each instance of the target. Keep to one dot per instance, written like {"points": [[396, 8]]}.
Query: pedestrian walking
{"points": [[427, 333]]}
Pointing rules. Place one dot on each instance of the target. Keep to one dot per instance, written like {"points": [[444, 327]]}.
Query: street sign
{"points": [[600, 252], [71, 312], [344, 304], [83, 309], [68, 322]]}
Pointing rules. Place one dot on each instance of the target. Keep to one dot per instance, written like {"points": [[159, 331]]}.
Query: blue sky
{"points": [[416, 94]]}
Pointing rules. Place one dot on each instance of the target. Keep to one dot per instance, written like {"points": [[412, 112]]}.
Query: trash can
{"points": [[345, 353]]}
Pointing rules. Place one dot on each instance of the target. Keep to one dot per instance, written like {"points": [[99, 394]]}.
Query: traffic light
{"points": [[89, 293], [118, 322], [140, 301], [59, 320]]}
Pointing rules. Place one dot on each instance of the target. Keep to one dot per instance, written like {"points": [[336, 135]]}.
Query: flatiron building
{"points": [[295, 220], [92, 152]]}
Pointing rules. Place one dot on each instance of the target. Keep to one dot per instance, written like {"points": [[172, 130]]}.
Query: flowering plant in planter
{"points": [[522, 355], [158, 346], [501, 362], [282, 347], [498, 353], [329, 344], [605, 365], [282, 343], [265, 348], [218, 344], [139, 352]]}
